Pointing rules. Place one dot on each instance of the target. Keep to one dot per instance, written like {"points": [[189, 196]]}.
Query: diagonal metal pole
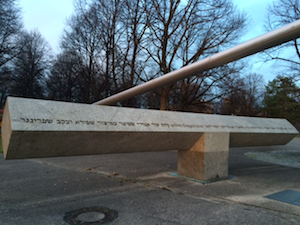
{"points": [[263, 42]]}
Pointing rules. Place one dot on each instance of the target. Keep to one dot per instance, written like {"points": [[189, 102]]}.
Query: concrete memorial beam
{"points": [[40, 128]]}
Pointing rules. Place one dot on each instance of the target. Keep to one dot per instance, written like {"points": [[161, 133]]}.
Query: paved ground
{"points": [[138, 187]]}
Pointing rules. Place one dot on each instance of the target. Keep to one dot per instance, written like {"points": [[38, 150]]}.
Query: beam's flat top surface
{"points": [[45, 115]]}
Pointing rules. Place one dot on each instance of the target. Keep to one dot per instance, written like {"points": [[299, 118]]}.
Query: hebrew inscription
{"points": [[31, 120], [66, 122], [62, 122]]}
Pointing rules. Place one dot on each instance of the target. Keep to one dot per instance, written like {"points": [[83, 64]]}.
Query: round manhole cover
{"points": [[90, 216]]}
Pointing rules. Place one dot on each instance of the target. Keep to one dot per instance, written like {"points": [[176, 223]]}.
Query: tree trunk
{"points": [[164, 97]]}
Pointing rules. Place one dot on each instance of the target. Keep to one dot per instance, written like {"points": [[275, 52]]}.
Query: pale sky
{"points": [[49, 17]]}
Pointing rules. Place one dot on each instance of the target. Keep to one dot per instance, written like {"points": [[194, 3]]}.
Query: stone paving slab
{"points": [[288, 196]]}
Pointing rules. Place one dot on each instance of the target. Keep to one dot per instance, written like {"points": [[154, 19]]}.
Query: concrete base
{"points": [[207, 159]]}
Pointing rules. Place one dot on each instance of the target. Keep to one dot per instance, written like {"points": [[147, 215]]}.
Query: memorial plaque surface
{"points": [[39, 128]]}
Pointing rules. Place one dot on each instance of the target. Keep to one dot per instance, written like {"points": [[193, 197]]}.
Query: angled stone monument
{"points": [[40, 128]]}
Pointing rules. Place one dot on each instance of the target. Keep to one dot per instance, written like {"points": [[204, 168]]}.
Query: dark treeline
{"points": [[110, 46]]}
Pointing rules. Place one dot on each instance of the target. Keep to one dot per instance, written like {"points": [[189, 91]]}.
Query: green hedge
{"points": [[1, 150]]}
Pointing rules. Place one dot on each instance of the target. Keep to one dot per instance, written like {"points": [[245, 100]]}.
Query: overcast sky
{"points": [[49, 18]]}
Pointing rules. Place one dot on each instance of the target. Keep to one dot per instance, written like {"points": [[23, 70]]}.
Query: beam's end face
{"points": [[6, 129]]}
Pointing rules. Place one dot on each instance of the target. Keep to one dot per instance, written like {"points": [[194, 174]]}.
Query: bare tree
{"points": [[126, 42], [31, 66], [280, 13], [108, 13], [64, 80], [10, 27], [183, 33], [245, 95], [199, 92], [108, 35], [95, 32], [5, 83], [124, 24], [134, 20], [83, 37]]}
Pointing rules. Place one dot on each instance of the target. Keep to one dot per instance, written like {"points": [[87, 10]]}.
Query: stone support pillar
{"points": [[207, 159]]}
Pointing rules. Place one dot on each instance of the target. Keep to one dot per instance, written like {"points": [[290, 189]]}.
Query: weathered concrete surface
{"points": [[39, 128], [207, 159], [138, 187]]}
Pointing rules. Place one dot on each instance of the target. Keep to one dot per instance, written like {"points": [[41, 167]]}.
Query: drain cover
{"points": [[90, 216], [288, 196]]}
